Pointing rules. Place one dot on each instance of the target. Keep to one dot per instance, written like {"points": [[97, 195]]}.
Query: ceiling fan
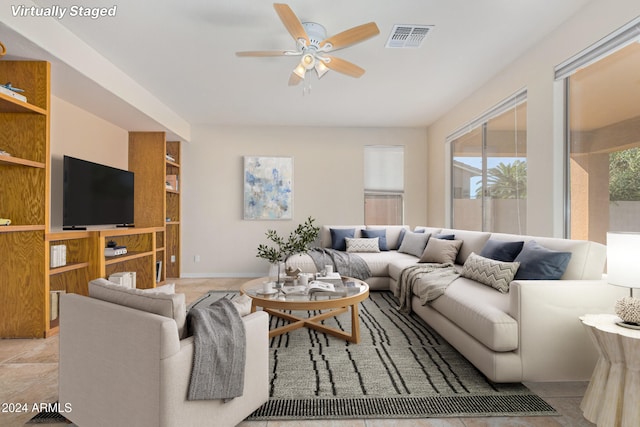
{"points": [[312, 44]]}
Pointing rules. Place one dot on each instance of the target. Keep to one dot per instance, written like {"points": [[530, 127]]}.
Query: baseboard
{"points": [[220, 275]]}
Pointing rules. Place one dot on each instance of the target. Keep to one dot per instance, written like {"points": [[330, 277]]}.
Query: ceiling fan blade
{"points": [[291, 22], [267, 53], [342, 66], [350, 36], [294, 79]]}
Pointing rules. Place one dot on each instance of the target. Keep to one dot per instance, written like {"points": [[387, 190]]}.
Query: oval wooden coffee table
{"points": [[278, 304]]}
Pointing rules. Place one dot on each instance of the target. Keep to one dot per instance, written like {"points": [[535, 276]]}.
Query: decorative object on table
{"points": [[268, 188], [292, 272], [623, 269], [5, 221], [297, 242]]}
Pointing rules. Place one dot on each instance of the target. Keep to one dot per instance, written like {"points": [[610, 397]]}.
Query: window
{"points": [[603, 137], [489, 170], [383, 184]]}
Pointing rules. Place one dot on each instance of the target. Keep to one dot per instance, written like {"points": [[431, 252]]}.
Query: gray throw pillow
{"points": [[441, 251], [540, 263], [497, 274], [414, 243]]}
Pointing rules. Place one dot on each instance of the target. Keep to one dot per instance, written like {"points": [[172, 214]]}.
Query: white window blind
{"points": [[500, 108], [384, 168], [617, 40]]}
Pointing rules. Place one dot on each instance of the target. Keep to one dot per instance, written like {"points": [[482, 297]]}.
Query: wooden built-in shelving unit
{"points": [[24, 199], [148, 160], [27, 279]]}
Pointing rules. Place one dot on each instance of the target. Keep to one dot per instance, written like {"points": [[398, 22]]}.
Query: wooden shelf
{"points": [[19, 228], [10, 160], [169, 190], [9, 104], [127, 257], [68, 267], [170, 163]]}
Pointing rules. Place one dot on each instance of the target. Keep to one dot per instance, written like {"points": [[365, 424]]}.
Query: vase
{"points": [[276, 272]]}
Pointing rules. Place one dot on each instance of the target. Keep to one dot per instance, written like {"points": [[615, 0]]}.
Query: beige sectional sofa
{"points": [[530, 333]]}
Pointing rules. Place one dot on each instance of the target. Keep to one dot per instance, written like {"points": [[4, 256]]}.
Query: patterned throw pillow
{"points": [[362, 245], [380, 234], [497, 274]]}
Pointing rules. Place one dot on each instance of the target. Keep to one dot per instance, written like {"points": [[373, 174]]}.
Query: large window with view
{"points": [[383, 185], [603, 140], [489, 170]]}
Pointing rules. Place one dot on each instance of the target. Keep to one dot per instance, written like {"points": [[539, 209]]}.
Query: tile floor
{"points": [[29, 374]]}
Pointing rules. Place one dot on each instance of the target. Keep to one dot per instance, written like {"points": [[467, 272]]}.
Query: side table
{"points": [[612, 396]]}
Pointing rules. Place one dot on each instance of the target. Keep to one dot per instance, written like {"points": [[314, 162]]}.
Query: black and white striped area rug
{"points": [[400, 369]]}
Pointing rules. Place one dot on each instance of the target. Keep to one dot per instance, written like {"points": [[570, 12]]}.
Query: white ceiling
{"points": [[182, 52]]}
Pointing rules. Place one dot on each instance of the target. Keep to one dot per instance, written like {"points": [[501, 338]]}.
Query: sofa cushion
{"points": [[363, 245], [481, 312], [381, 234], [380, 263], [540, 263], [497, 274], [405, 231], [164, 304], [441, 251], [501, 250], [338, 236], [414, 243], [444, 236], [392, 232], [474, 241], [325, 233]]}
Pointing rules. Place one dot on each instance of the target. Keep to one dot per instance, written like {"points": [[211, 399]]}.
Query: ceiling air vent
{"points": [[407, 36]]}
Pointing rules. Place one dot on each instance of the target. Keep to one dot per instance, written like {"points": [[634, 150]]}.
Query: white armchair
{"points": [[122, 366]]}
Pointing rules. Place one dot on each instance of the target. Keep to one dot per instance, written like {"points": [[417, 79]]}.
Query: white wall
{"points": [[328, 185], [77, 133], [534, 70]]}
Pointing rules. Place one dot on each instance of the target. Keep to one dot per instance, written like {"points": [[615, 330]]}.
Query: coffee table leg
{"points": [[355, 324]]}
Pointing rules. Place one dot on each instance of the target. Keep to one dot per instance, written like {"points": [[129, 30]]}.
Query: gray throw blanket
{"points": [[426, 281], [345, 263], [219, 352]]}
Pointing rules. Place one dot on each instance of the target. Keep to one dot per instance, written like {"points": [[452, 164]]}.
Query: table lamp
{"points": [[623, 269]]}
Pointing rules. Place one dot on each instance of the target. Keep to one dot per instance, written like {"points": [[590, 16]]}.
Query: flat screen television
{"points": [[95, 194]]}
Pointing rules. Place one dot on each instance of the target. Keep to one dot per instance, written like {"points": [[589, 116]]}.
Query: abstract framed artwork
{"points": [[268, 188]]}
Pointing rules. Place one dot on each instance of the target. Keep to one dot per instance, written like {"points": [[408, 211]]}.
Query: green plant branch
{"points": [[297, 242]]}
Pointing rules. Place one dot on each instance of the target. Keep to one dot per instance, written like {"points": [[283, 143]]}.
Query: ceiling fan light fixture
{"points": [[308, 61], [321, 69], [300, 70]]}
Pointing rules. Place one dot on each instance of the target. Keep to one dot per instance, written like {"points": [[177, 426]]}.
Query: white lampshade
{"points": [[623, 259]]}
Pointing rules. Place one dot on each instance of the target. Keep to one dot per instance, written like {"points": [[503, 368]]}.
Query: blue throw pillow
{"points": [[380, 234], [500, 250], [338, 236], [540, 263], [445, 236]]}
